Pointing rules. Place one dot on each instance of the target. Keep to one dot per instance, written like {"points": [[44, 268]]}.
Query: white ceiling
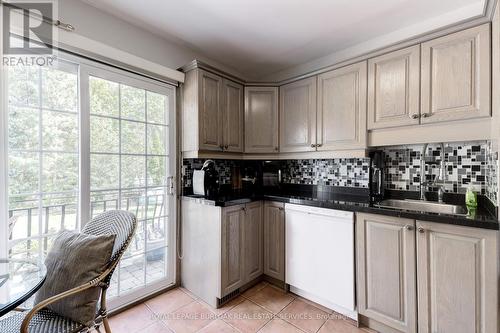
{"points": [[261, 37]]}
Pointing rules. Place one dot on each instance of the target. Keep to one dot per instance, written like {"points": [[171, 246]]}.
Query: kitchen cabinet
{"points": [[212, 113], [233, 247], [394, 89], [456, 76], [386, 270], [261, 120], [233, 120], [457, 279], [297, 116], [416, 276], [341, 118], [274, 240], [253, 250], [222, 248]]}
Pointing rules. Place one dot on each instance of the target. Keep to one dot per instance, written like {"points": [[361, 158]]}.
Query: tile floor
{"points": [[262, 308]]}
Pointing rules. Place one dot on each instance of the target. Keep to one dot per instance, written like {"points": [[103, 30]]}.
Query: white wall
{"points": [[102, 27]]}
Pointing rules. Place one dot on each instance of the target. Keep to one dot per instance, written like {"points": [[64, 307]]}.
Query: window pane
{"points": [[59, 212], [60, 131], [133, 171], [23, 128], [133, 136], [104, 171], [102, 201], [104, 97], [59, 90], [156, 264], [60, 172], [23, 216], [157, 105], [131, 273], [23, 172], [23, 87], [157, 170], [135, 202], [104, 135], [155, 233], [156, 140], [157, 203], [133, 103]]}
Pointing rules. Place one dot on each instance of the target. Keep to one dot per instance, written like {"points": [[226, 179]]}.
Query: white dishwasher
{"points": [[319, 251]]}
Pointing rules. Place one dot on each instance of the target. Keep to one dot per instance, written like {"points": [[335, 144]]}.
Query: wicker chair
{"points": [[41, 320]]}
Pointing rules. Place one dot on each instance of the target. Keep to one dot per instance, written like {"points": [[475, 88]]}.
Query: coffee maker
{"points": [[376, 175]]}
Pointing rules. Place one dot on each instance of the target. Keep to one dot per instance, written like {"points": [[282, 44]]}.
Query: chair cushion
{"points": [[75, 259], [42, 322]]}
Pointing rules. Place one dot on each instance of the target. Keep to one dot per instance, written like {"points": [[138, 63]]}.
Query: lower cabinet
{"points": [[274, 240], [386, 270], [450, 271], [241, 251], [457, 270]]}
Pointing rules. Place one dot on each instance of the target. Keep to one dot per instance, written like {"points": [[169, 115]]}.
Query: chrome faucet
{"points": [[439, 180]]}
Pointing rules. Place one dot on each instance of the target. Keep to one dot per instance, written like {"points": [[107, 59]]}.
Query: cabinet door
{"points": [[386, 270], [456, 76], [261, 120], [274, 240], [232, 238], [253, 241], [233, 121], [457, 279], [394, 89], [210, 111], [342, 108], [298, 116]]}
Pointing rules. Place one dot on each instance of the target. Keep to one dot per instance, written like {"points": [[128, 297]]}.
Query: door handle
{"points": [[170, 185]]}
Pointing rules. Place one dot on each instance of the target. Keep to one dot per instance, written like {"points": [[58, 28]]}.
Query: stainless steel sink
{"points": [[423, 206]]}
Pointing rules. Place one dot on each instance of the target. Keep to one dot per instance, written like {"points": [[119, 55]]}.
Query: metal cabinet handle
{"points": [[409, 227], [415, 116], [226, 146], [426, 115], [221, 147], [313, 145], [319, 145], [281, 208], [421, 230], [276, 148]]}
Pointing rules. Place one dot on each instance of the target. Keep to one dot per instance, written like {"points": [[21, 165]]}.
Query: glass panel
{"points": [[23, 128], [113, 286], [23, 172], [59, 90], [23, 216], [104, 97], [101, 201], [133, 135], [156, 140], [156, 264], [155, 233], [104, 171], [137, 244], [133, 103], [134, 201], [133, 171], [104, 135], [26, 250], [157, 202], [60, 172], [157, 170], [23, 88], [59, 212], [60, 131], [157, 105], [131, 273]]}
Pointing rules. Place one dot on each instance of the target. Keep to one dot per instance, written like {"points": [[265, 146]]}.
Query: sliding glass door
{"points": [[84, 138]]}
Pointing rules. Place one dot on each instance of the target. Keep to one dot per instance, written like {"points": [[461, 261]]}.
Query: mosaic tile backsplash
{"points": [[466, 163]]}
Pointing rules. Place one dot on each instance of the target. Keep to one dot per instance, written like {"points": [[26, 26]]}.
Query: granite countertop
{"points": [[355, 201]]}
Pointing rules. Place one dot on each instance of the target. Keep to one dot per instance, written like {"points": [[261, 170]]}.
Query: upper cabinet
{"points": [[261, 120], [341, 117], [298, 116], [456, 76], [212, 113], [233, 116], [394, 89]]}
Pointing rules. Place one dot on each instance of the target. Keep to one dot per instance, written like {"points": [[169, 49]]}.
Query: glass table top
{"points": [[19, 280]]}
